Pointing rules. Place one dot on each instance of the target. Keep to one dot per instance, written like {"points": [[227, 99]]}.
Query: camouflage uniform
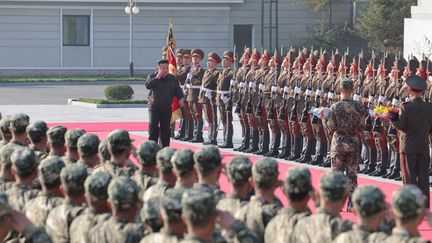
{"points": [[346, 119], [147, 158], [5, 159], [407, 204], [87, 146], [258, 212], [24, 162], [281, 227], [207, 159], [71, 139], [368, 201], [31, 233], [4, 131], [96, 187], [103, 152], [150, 214], [123, 195], [183, 165], [37, 209], [323, 226], [118, 140], [60, 218], [198, 205], [56, 138], [36, 131], [163, 160]]}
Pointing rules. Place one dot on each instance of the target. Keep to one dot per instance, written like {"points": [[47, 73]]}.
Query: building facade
{"points": [[43, 37], [418, 31]]}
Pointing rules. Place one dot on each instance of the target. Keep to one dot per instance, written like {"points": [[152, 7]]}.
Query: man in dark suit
{"points": [[163, 88], [415, 124]]}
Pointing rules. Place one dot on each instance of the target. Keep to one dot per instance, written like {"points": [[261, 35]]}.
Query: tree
{"points": [[318, 5], [382, 24]]}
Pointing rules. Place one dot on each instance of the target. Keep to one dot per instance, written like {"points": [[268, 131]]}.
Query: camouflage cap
{"points": [[151, 209], [123, 193], [37, 130], [347, 84], [171, 205], [118, 140], [163, 159], [408, 202], [49, 170], [56, 135], [96, 185], [298, 180], [265, 172], [104, 154], [5, 209], [72, 137], [183, 162], [333, 186], [5, 125], [368, 201], [19, 122], [24, 161], [5, 154], [207, 158], [239, 170], [198, 205], [147, 153], [88, 145], [73, 178]]}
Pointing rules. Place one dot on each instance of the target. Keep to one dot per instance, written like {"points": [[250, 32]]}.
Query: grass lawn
{"points": [[70, 79], [103, 101]]}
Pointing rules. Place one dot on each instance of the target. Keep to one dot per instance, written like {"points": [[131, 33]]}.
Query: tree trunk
{"points": [[330, 15]]}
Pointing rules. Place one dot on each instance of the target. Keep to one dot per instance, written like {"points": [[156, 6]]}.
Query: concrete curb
{"points": [[71, 83], [75, 102]]}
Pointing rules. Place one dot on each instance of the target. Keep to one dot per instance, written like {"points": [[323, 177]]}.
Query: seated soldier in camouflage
{"points": [[10, 219], [326, 223], [239, 172], [96, 193], [298, 189], [36, 133], [71, 139], [56, 140], [264, 205], [208, 165], [87, 146], [6, 177], [119, 147], [147, 175], [121, 227], [150, 215], [183, 166], [103, 152], [200, 215], [37, 209], [370, 208], [173, 226], [24, 167], [60, 218], [5, 132], [167, 177], [18, 126], [408, 206]]}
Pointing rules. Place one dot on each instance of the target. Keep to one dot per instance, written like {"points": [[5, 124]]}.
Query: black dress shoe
{"points": [[186, 139], [399, 178], [317, 160], [379, 172], [261, 152], [196, 140], [179, 136], [251, 150], [239, 148], [226, 145], [394, 175], [210, 143], [294, 157], [284, 155], [369, 170]]}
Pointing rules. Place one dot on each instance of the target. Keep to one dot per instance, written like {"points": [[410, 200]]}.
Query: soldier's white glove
{"points": [[208, 95], [252, 85], [356, 97], [189, 76], [242, 84], [407, 99], [308, 92], [381, 99], [319, 92], [371, 98], [273, 89], [331, 95], [297, 90], [188, 86], [261, 87], [286, 89], [395, 102], [233, 82], [225, 98]]}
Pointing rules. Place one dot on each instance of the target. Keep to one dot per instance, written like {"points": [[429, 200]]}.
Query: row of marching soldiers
{"points": [[273, 97]]}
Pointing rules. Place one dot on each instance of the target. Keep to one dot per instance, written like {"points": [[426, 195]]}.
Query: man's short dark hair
{"points": [[162, 61]]}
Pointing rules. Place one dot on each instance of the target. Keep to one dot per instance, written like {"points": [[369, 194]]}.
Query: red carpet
{"points": [[104, 126], [387, 188]]}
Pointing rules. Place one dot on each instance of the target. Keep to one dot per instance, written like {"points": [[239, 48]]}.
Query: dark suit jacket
{"points": [[415, 125]]}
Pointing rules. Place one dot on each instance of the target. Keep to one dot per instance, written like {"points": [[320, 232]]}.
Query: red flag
{"points": [[171, 44]]}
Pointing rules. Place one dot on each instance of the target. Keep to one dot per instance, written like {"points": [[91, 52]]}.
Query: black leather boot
{"points": [[253, 146]]}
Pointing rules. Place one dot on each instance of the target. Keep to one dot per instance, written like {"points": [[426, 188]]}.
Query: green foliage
{"points": [[119, 92], [318, 5], [382, 24]]}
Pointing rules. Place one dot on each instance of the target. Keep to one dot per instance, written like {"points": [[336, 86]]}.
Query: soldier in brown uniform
{"points": [[261, 108], [241, 97], [224, 99], [415, 124], [252, 101], [193, 84], [207, 96]]}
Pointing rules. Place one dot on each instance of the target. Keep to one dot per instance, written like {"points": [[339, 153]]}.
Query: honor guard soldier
{"points": [[207, 96], [224, 98]]}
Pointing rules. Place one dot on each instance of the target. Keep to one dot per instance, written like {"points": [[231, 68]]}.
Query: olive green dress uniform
{"points": [[186, 130], [241, 95], [261, 119], [283, 112], [251, 103], [272, 101]]}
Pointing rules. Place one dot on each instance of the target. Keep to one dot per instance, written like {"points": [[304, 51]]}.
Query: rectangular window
{"points": [[243, 36], [76, 30]]}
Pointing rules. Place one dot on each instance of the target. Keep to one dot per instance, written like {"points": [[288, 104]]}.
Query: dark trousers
{"points": [[160, 125], [415, 171]]}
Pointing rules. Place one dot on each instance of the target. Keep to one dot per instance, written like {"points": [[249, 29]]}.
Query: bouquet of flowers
{"points": [[387, 113]]}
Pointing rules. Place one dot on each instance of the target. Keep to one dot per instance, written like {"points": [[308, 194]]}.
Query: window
{"points": [[76, 30], [243, 36]]}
